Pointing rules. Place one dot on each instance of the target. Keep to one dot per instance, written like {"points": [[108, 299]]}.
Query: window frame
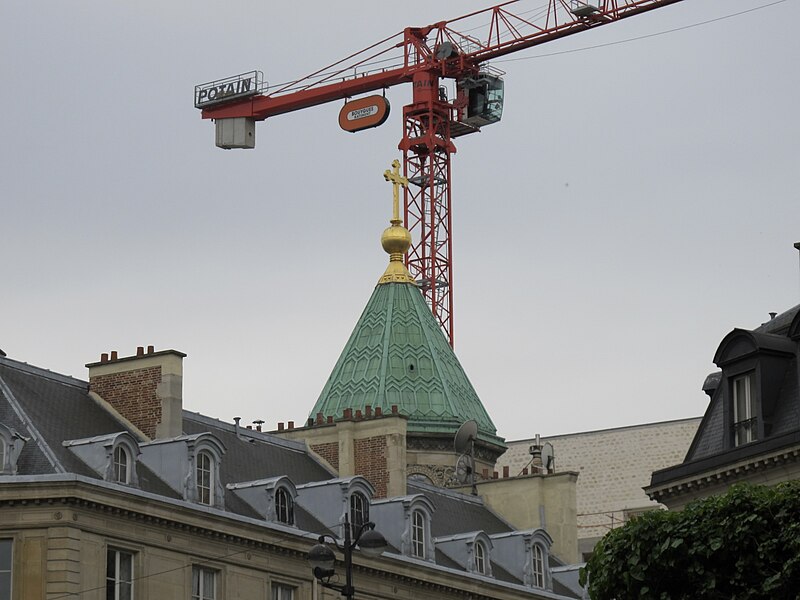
{"points": [[8, 568], [538, 567], [744, 427], [419, 525], [284, 506], [198, 571], [359, 511], [204, 487], [116, 578], [480, 555], [276, 587], [121, 449]]}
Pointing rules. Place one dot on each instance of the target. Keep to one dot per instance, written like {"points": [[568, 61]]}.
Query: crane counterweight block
{"points": [[236, 132]]}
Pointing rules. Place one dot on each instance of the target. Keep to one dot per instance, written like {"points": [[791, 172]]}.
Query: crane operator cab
{"points": [[481, 98]]}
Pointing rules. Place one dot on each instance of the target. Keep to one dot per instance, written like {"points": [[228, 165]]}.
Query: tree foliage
{"points": [[744, 544]]}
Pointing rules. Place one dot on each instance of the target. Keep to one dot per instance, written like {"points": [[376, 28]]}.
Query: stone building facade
{"points": [[613, 467], [92, 507]]}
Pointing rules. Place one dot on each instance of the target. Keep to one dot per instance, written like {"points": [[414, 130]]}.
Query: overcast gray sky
{"points": [[637, 202]]}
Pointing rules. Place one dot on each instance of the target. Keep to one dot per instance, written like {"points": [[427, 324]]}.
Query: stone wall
{"points": [[613, 466]]}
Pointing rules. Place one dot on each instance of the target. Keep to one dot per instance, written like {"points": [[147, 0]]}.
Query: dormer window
{"points": [[745, 422], [204, 477], [284, 506], [359, 511], [537, 568], [418, 534], [480, 558], [754, 368], [122, 465], [112, 456]]}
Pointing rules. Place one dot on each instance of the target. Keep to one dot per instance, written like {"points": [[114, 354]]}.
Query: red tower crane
{"points": [[422, 56]]}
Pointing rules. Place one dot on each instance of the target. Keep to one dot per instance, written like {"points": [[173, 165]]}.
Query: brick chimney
{"points": [[146, 389]]}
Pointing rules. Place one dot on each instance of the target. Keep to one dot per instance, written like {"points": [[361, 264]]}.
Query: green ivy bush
{"points": [[741, 545]]}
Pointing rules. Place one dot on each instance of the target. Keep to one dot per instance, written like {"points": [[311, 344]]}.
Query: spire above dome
{"points": [[398, 355], [396, 240]]}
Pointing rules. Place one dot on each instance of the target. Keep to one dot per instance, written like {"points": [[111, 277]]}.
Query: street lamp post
{"points": [[322, 558]]}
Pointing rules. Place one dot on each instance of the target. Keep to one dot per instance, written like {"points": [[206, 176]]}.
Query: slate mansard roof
{"points": [[49, 409], [57, 416], [771, 354]]}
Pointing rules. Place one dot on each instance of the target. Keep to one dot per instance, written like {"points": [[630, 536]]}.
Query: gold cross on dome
{"points": [[397, 180]]}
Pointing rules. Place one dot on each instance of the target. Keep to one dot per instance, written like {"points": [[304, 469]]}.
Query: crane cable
{"points": [[644, 37]]}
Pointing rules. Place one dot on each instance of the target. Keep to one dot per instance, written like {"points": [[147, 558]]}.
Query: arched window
{"points": [[418, 534], [205, 478], [122, 465], [284, 506], [480, 558], [538, 566], [359, 512]]}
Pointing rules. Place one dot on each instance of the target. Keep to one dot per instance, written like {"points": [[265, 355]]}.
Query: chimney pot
{"points": [[358, 414], [320, 418], [394, 409], [368, 410], [330, 420], [310, 422], [290, 425], [113, 355], [378, 411], [280, 427], [150, 349], [348, 413], [104, 357], [139, 350]]}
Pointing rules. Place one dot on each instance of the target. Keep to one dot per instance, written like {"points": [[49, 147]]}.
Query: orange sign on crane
{"points": [[422, 56]]}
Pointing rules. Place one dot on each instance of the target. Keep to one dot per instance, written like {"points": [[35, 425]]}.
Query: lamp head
{"points": [[372, 543], [322, 559]]}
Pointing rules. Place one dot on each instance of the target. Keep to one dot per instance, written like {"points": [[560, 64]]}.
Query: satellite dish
{"points": [[464, 469], [465, 436], [465, 444], [445, 50], [548, 458]]}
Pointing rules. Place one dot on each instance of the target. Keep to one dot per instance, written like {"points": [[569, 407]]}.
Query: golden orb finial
{"points": [[396, 240]]}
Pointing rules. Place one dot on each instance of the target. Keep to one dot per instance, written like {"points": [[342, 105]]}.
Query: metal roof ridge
{"points": [[261, 436], [46, 373], [424, 487]]}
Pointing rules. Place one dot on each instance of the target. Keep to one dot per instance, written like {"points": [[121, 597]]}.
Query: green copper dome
{"points": [[398, 355]]}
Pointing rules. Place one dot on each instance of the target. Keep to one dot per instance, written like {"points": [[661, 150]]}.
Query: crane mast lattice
{"points": [[423, 57]]}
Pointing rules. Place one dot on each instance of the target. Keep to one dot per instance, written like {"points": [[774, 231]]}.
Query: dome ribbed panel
{"points": [[398, 355]]}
